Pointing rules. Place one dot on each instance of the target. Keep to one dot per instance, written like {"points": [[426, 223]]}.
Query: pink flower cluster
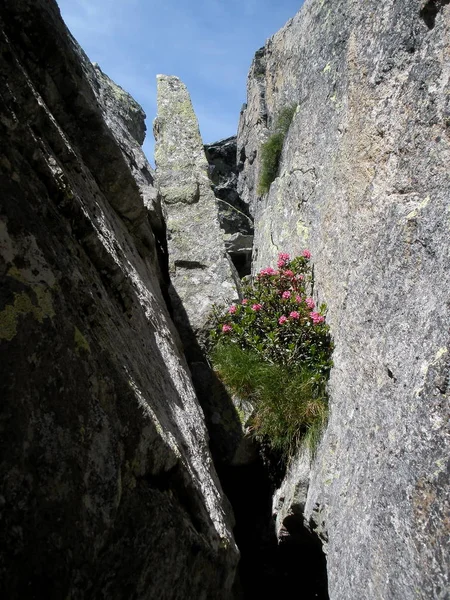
{"points": [[288, 273], [295, 315], [226, 328], [282, 320], [306, 254], [298, 298], [244, 302], [283, 259], [232, 310], [267, 271], [310, 303], [317, 318], [257, 307], [286, 295]]}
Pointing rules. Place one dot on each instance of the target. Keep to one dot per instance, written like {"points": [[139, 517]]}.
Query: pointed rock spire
{"points": [[200, 271]]}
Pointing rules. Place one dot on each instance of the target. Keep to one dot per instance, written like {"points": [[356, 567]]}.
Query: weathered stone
{"points": [[364, 183], [252, 131], [107, 484], [126, 120], [201, 273]]}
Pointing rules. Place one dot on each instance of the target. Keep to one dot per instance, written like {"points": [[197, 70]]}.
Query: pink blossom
{"points": [[306, 254], [288, 273], [267, 271], [244, 301], [294, 315], [286, 295], [283, 259], [298, 298], [299, 278], [257, 307], [317, 318], [226, 328], [282, 320], [232, 309], [310, 303]]}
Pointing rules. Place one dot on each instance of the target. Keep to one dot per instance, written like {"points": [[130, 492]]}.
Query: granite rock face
{"points": [[364, 184], [200, 271], [107, 484]]}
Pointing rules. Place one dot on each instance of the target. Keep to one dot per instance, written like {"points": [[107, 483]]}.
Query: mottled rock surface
{"points": [[107, 484], [200, 271], [126, 120], [364, 183]]}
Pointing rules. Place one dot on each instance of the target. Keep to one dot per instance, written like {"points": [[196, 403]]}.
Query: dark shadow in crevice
{"points": [[162, 254], [430, 10], [294, 566], [221, 416]]}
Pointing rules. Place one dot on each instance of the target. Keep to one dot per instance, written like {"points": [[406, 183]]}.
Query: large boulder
{"points": [[107, 484]]}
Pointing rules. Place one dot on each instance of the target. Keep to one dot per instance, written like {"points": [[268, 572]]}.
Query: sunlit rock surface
{"points": [[364, 184]]}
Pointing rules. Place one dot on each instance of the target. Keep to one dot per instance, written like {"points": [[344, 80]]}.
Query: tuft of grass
{"points": [[270, 160], [290, 404], [272, 148]]}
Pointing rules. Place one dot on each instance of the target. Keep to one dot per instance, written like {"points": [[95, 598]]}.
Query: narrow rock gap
{"points": [[235, 219], [249, 475], [295, 564]]}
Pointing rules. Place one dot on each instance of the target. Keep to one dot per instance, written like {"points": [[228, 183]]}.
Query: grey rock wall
{"points": [[364, 184], [107, 488], [233, 212]]}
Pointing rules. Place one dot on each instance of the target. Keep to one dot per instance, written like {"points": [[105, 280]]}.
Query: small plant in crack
{"points": [[274, 349], [272, 148]]}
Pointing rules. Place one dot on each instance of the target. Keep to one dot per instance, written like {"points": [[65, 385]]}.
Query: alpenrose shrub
{"points": [[274, 348]]}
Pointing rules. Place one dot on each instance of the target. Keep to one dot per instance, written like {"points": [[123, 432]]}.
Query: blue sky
{"points": [[208, 44]]}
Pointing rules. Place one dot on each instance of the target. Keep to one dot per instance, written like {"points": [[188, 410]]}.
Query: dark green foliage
{"points": [[275, 350], [272, 148]]}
